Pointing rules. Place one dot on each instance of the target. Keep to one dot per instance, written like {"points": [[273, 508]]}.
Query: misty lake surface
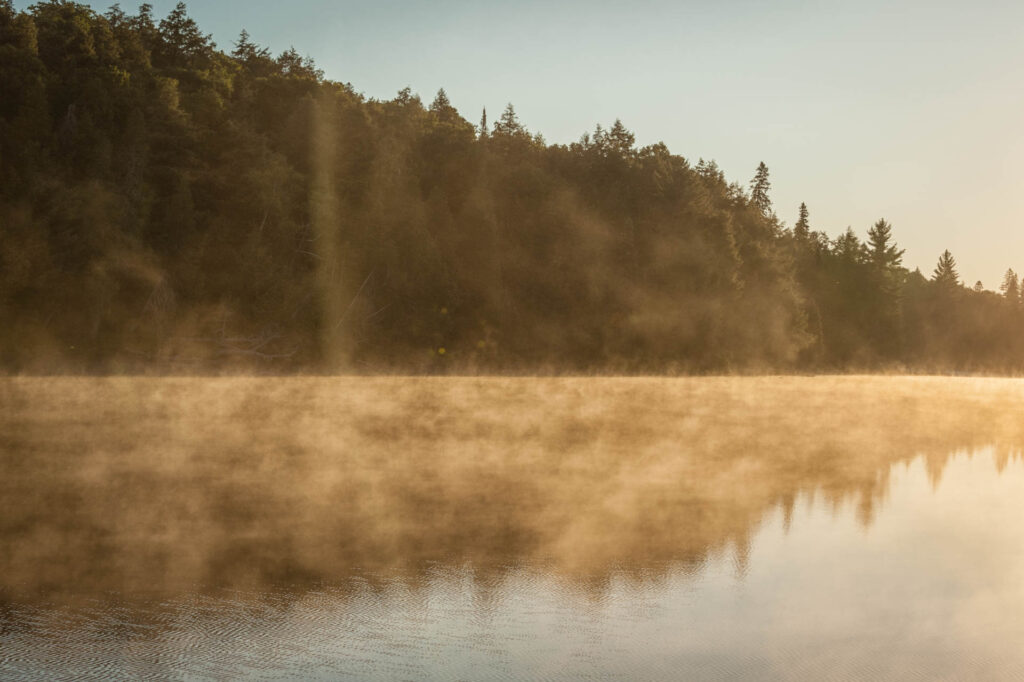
{"points": [[511, 528]]}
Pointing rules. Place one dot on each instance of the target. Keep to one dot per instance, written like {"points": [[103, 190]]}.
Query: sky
{"points": [[911, 111]]}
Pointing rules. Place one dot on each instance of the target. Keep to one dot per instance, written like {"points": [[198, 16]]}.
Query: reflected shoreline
{"points": [[822, 595], [157, 487]]}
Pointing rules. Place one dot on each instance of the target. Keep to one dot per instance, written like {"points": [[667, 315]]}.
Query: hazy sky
{"points": [[908, 110]]}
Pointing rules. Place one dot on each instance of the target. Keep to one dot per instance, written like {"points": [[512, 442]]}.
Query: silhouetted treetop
{"points": [[882, 251], [182, 41], [1010, 286], [759, 188], [443, 109], [508, 125], [802, 228], [945, 273], [248, 51], [295, 65]]}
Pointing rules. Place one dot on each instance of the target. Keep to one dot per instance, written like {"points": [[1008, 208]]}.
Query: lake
{"points": [[511, 528]]}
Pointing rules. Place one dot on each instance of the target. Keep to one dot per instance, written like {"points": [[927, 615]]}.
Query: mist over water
{"points": [[486, 528]]}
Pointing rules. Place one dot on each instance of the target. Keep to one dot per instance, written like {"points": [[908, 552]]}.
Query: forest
{"points": [[170, 207]]}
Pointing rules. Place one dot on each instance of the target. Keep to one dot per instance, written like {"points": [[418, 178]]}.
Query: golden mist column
{"points": [[333, 281]]}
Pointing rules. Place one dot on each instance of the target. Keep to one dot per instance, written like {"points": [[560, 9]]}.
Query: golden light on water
{"points": [[806, 522], [587, 473]]}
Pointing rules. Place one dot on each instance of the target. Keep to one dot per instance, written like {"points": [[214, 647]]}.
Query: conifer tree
{"points": [[442, 107], [182, 40], [883, 254], [1011, 286], [848, 247], [709, 170], [619, 140], [884, 282], [405, 96], [483, 125], [802, 229], [294, 64], [945, 274], [246, 50], [759, 188], [509, 124]]}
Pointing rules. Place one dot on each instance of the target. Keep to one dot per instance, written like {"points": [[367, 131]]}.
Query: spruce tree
{"points": [[1011, 286], [759, 188], [619, 140], [182, 41], [884, 282], [882, 253], [247, 51], [945, 274], [509, 124], [847, 247], [442, 107], [802, 229]]}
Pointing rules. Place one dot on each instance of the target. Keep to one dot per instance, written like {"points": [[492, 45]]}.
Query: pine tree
{"points": [[1011, 286], [883, 286], [442, 107], [509, 125], [247, 51], [182, 40], [759, 188], [709, 170], [848, 247], [945, 273], [619, 140], [882, 253], [405, 96], [294, 64], [802, 229], [483, 125]]}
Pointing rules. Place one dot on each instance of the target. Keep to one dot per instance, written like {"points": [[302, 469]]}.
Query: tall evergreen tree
{"points": [[945, 274], [882, 252], [620, 141], [1011, 286], [848, 247], [759, 188], [247, 51], [293, 64], [181, 40], [883, 285], [508, 125], [442, 108], [802, 229]]}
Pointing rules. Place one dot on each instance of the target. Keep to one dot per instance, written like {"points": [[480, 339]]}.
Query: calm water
{"points": [[763, 528]]}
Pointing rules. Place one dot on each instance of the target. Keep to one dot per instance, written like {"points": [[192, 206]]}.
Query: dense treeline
{"points": [[166, 205]]}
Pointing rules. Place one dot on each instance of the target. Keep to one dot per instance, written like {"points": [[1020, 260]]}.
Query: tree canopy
{"points": [[168, 206]]}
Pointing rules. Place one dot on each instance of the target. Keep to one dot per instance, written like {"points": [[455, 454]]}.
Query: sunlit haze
{"points": [[523, 340], [908, 111]]}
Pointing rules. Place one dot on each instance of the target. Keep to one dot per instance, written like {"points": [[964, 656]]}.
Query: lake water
{"points": [[464, 528]]}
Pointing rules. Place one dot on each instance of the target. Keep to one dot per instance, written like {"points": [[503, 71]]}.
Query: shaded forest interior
{"points": [[168, 206]]}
